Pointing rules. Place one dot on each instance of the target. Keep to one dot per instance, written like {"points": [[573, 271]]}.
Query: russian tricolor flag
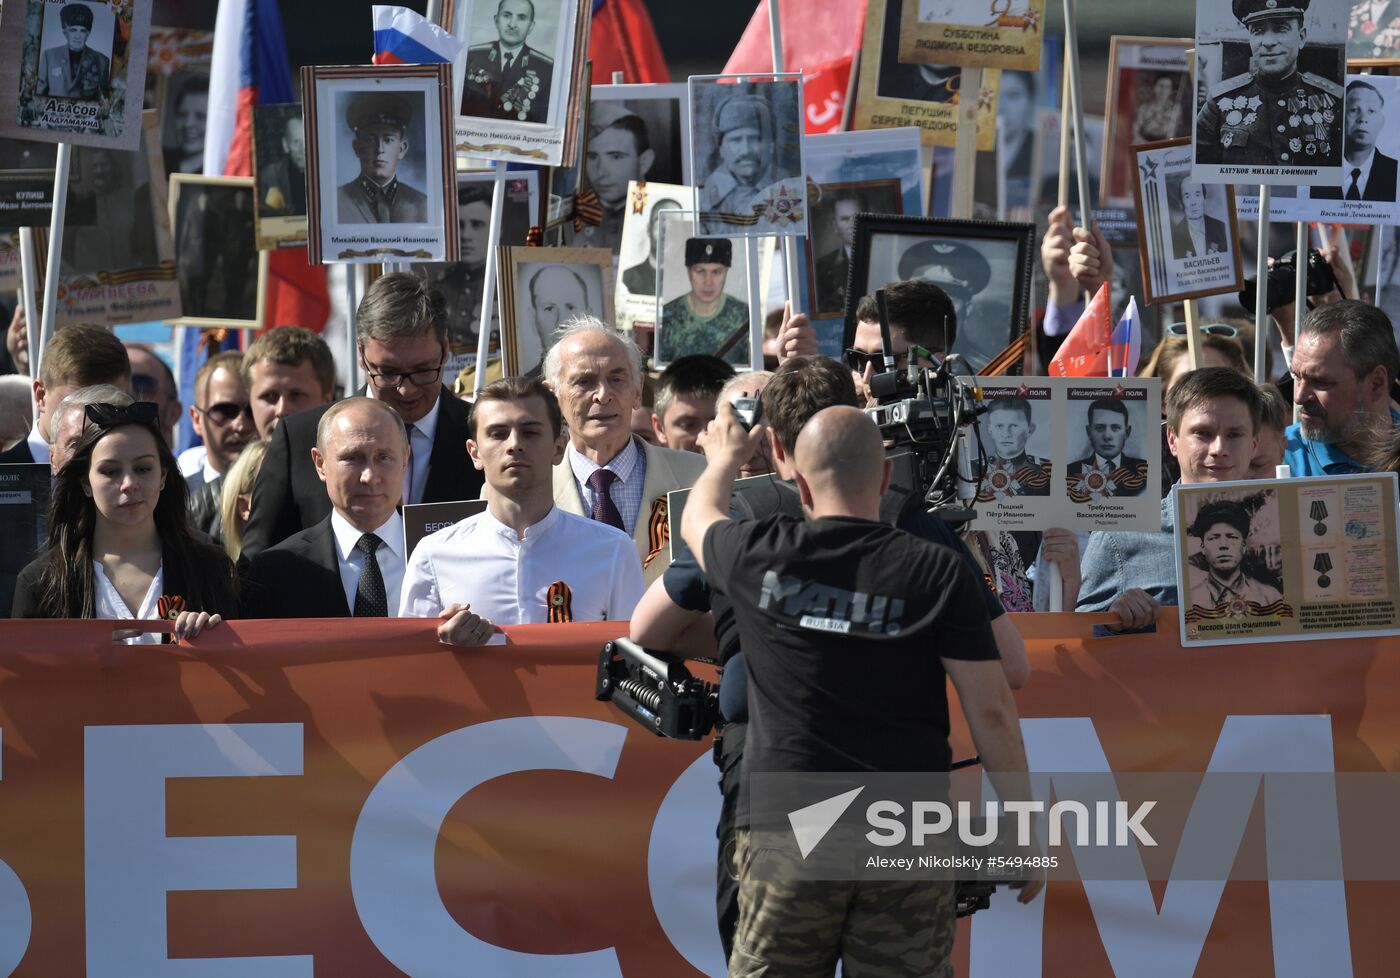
{"points": [[1126, 342], [405, 37]]}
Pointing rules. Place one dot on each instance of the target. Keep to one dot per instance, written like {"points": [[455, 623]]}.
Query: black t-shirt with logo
{"points": [[843, 623]]}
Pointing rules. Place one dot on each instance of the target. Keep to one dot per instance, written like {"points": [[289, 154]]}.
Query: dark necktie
{"points": [[604, 509], [1352, 192], [508, 63], [371, 601]]}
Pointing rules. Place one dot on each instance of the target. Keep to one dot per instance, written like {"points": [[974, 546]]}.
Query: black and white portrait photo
{"points": [[640, 257], [215, 248], [114, 214], [1016, 435], [1235, 549], [183, 118], [1273, 72], [1150, 99], [511, 52], [75, 59], [703, 294], [279, 174], [643, 138], [833, 236], [386, 159], [544, 288], [1108, 431], [1196, 231], [748, 156], [1370, 146]]}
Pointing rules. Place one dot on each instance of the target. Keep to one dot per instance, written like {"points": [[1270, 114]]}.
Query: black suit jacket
{"points": [[26, 604], [1380, 185], [1217, 238], [298, 578], [289, 496], [1077, 468], [19, 453]]}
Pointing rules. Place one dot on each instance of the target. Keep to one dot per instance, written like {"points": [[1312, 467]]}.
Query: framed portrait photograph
{"points": [[68, 68], [9, 261], [1373, 34], [543, 288], [983, 266], [833, 236], [1189, 233], [177, 85], [635, 133], [703, 294], [461, 282], [279, 175], [519, 80], [26, 183], [1273, 82], [639, 260], [381, 178], [971, 33], [890, 93], [1150, 99], [746, 155], [220, 270], [562, 182], [117, 260], [1022, 95]]}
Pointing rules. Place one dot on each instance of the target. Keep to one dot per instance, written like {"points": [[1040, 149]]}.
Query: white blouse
{"points": [[111, 606]]}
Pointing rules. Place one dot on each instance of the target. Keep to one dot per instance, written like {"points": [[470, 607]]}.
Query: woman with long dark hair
{"points": [[119, 540]]}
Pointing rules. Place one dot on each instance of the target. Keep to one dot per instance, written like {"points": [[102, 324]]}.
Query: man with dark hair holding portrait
{"points": [[1116, 473], [923, 324], [833, 268], [1195, 233], [508, 79], [1223, 527], [1369, 173], [74, 70], [706, 319], [380, 121]]}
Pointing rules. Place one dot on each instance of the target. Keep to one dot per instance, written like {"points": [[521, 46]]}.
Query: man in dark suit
{"points": [[403, 346], [1368, 174], [352, 561], [833, 268], [1106, 469], [508, 79], [640, 279], [1195, 233], [74, 70]]}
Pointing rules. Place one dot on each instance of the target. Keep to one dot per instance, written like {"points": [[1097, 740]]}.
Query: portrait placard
{"points": [[422, 519], [381, 178], [279, 175], [543, 288], [1022, 94], [177, 85], [562, 181], [635, 133], [1188, 232], [702, 299], [24, 522], [983, 266], [221, 274], [1276, 560], [890, 93], [117, 264], [26, 183], [1150, 99], [1373, 33], [1072, 452], [68, 67], [1272, 112], [972, 33], [638, 266], [519, 81], [833, 238], [746, 154]]}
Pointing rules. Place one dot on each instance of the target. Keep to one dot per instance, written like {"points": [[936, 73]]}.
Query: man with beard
{"points": [[1195, 233], [1343, 368], [744, 126], [1370, 174], [1223, 527]]}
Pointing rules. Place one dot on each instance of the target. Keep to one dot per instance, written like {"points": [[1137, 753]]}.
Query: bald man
{"points": [[815, 601]]}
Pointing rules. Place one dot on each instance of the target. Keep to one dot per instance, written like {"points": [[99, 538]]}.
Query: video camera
{"points": [[928, 415], [1281, 280], [656, 690]]}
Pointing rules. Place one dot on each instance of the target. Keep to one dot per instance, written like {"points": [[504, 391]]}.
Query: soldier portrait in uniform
{"points": [[1227, 569], [115, 219], [747, 149], [1273, 72], [1112, 464], [384, 126], [542, 289], [1007, 429], [703, 307], [76, 61], [639, 260], [510, 61], [279, 173]]}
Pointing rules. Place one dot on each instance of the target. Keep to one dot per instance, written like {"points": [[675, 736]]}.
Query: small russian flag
{"points": [[404, 37], [1126, 343]]}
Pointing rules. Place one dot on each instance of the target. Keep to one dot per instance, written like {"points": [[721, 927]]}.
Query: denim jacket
{"points": [[1114, 562]]}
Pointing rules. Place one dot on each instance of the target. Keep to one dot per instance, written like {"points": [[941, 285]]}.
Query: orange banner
{"points": [[337, 798]]}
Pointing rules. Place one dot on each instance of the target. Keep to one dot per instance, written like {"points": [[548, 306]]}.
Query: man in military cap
{"points": [[706, 319], [1014, 471], [963, 273], [1273, 115], [1223, 528], [506, 78], [833, 268], [72, 69], [377, 196], [619, 150], [744, 125]]}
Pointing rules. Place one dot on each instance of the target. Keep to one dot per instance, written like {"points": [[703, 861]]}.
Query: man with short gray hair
{"points": [[607, 473], [66, 428], [15, 410]]}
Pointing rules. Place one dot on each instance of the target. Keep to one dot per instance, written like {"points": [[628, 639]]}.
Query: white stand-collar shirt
{"points": [[508, 581], [38, 445], [352, 562], [108, 603]]}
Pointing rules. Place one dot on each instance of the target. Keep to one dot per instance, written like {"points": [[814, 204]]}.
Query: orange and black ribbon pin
{"points": [[168, 607], [588, 209], [658, 532], [561, 603], [534, 237]]}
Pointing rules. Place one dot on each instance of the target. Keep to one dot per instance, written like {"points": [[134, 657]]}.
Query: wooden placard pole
{"points": [[965, 152], [49, 311], [29, 284], [1261, 292], [775, 34], [488, 286], [1062, 193], [1193, 334], [1076, 107]]}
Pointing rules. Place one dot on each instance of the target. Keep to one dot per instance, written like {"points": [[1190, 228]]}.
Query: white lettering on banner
{"points": [[16, 918], [393, 874], [131, 864], [1309, 918]]}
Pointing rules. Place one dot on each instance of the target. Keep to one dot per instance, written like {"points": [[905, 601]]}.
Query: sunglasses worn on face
{"points": [[1209, 329], [857, 359], [226, 411]]}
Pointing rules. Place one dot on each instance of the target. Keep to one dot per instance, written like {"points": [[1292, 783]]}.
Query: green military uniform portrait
{"points": [[706, 319]]}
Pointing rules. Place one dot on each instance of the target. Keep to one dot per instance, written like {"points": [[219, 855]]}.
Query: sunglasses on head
{"points": [[226, 411], [1209, 329], [113, 415]]}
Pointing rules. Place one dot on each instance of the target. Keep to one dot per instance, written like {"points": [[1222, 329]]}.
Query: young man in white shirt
{"points": [[524, 560]]}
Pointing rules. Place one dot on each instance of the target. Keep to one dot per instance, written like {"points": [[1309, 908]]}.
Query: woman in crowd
{"points": [[236, 495], [119, 542]]}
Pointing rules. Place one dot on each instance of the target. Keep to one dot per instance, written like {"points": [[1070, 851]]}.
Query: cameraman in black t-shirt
{"points": [[815, 602], [675, 613]]}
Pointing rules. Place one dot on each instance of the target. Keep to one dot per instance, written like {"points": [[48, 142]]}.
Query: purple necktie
{"points": [[604, 509]]}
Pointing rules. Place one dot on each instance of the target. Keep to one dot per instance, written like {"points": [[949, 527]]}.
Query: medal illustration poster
{"points": [[1072, 452], [1280, 560]]}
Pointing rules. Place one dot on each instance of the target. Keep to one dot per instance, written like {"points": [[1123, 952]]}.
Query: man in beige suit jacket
{"points": [[607, 473]]}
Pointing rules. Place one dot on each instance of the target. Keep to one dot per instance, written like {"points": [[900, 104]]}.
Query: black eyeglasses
{"points": [[113, 415], [418, 378], [226, 411], [1209, 329]]}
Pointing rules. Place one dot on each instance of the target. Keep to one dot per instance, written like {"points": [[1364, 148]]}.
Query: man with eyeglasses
{"points": [[402, 337], [223, 419], [922, 323], [151, 380]]}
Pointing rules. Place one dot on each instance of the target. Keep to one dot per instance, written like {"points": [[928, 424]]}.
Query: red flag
{"points": [[1084, 353], [623, 39]]}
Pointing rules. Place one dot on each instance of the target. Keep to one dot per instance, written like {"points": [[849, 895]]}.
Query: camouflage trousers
{"points": [[801, 928]]}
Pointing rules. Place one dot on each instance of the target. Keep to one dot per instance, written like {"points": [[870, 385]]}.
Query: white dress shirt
{"points": [[482, 562], [421, 442], [110, 605], [352, 561], [38, 445]]}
